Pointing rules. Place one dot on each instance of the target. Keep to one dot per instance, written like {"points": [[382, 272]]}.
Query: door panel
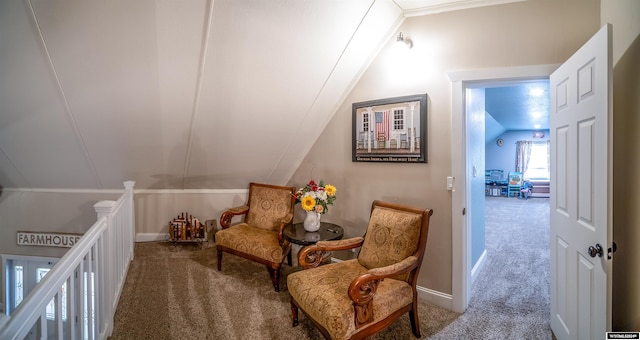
{"points": [[580, 191]]}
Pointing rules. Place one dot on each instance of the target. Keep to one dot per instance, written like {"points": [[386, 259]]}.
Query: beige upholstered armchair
{"points": [[356, 298], [259, 237]]}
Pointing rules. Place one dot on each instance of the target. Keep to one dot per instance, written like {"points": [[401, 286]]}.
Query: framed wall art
{"points": [[390, 130]]}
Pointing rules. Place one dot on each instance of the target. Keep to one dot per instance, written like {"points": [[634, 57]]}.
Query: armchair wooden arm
{"points": [[225, 219], [283, 223], [363, 288], [311, 256]]}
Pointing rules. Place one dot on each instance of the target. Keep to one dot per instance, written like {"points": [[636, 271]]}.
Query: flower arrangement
{"points": [[316, 196]]}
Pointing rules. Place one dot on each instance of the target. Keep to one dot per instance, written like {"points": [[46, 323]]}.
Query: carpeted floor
{"points": [[510, 297], [175, 291]]}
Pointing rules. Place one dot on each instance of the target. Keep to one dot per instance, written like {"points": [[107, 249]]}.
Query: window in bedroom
{"points": [[538, 162]]}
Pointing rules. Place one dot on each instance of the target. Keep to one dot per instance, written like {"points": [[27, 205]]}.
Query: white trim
{"points": [[66, 191], [460, 235], [478, 267], [192, 191], [435, 297], [454, 5], [512, 73], [120, 191], [151, 237]]}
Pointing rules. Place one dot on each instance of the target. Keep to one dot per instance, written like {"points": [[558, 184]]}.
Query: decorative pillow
{"points": [[392, 235], [268, 206]]}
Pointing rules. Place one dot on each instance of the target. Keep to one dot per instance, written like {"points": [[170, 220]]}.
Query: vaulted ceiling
{"points": [[179, 94], [516, 107]]}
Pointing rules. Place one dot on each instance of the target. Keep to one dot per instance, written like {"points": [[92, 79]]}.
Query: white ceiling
{"points": [[179, 94]]}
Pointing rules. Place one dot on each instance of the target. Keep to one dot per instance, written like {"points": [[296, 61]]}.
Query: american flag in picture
{"points": [[382, 123]]}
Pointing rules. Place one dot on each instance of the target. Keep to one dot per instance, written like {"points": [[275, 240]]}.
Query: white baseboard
{"points": [[435, 297], [479, 264], [151, 237]]}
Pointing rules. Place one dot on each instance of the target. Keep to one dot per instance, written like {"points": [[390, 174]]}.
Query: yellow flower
{"points": [[330, 189], [308, 203]]}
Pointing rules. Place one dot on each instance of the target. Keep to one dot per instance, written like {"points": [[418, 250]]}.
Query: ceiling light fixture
{"points": [[402, 40], [537, 126], [536, 92]]}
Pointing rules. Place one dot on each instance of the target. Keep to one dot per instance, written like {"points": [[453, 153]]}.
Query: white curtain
{"points": [[523, 154]]}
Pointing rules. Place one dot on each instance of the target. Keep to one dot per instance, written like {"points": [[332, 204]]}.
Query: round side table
{"points": [[327, 232], [297, 235]]}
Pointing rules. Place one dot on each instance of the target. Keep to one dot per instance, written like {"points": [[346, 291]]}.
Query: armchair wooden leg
{"points": [[219, 259], [415, 323], [294, 313], [274, 272]]}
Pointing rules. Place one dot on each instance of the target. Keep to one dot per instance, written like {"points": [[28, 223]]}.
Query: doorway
{"points": [[510, 228], [463, 170]]}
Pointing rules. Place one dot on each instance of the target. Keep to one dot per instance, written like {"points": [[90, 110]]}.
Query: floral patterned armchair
{"points": [[357, 298], [259, 237]]}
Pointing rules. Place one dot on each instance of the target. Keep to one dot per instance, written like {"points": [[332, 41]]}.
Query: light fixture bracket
{"points": [[401, 39]]}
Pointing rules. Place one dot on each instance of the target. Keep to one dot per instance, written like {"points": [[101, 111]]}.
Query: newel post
{"points": [[131, 215], [104, 208]]}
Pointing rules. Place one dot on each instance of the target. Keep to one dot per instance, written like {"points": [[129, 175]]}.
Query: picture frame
{"points": [[390, 130]]}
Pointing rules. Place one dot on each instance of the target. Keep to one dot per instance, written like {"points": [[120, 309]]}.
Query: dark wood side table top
{"points": [[328, 231]]}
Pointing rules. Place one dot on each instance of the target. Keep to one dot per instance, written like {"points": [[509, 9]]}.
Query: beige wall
{"points": [[155, 208], [624, 15], [526, 33], [68, 212]]}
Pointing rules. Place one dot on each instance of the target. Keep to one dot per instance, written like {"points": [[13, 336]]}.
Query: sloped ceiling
{"points": [[519, 106], [176, 94]]}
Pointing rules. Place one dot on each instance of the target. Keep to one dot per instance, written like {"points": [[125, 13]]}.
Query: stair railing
{"points": [[85, 285]]}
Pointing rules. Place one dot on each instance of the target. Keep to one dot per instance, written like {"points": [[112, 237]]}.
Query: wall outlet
{"points": [[212, 226]]}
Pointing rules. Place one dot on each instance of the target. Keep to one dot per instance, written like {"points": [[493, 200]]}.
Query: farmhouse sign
{"points": [[64, 240]]}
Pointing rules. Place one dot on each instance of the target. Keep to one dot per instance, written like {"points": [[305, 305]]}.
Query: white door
{"points": [[580, 122]]}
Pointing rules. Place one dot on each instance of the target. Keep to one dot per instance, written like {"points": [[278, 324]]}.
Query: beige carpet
{"points": [[176, 292]]}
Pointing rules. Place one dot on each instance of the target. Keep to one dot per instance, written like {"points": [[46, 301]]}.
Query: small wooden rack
{"points": [[186, 228]]}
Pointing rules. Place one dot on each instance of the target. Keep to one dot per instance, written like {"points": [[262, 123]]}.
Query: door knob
{"points": [[611, 250], [596, 250]]}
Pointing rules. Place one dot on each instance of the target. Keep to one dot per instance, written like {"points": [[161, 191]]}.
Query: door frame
{"points": [[460, 224]]}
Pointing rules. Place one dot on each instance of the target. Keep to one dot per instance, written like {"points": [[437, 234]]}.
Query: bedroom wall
{"points": [[504, 157], [476, 111], [525, 33]]}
